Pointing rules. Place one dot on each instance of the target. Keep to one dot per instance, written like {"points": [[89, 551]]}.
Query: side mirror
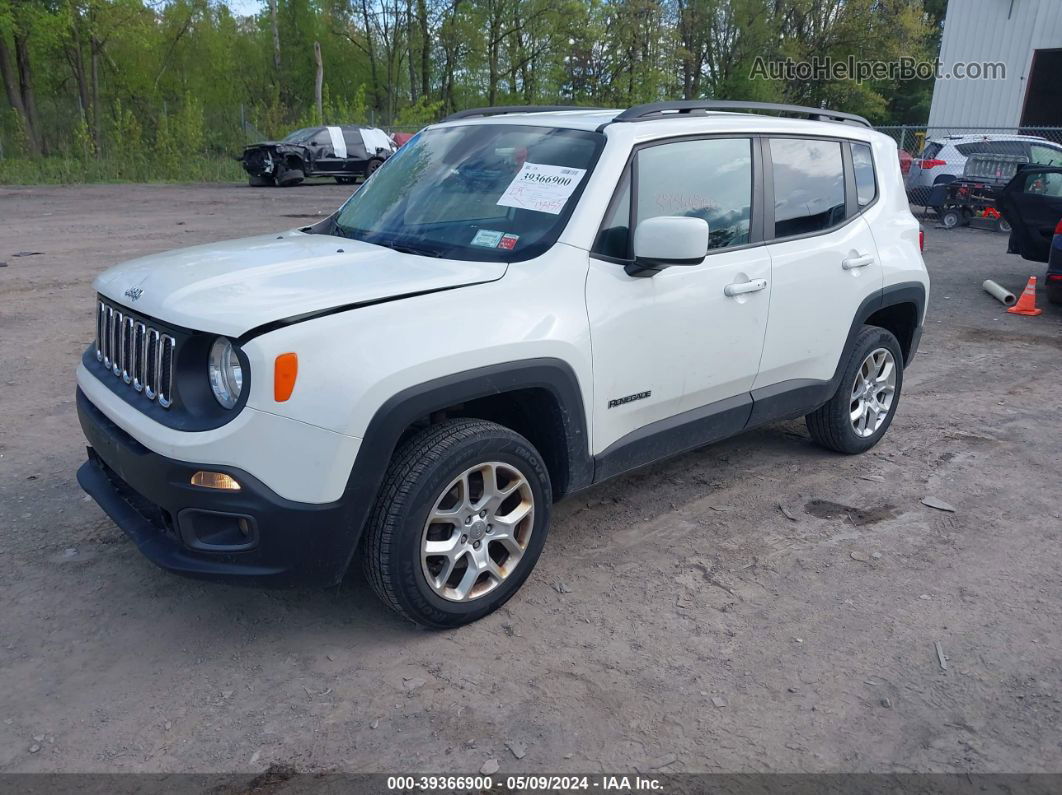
{"points": [[668, 240]]}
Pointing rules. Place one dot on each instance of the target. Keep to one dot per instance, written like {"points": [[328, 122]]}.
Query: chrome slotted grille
{"points": [[136, 352]]}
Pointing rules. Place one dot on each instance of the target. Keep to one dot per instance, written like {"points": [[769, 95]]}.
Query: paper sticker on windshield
{"points": [[487, 237], [542, 188], [508, 242]]}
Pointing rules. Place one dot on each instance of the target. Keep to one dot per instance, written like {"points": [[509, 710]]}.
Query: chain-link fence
{"points": [[912, 138], [932, 157]]}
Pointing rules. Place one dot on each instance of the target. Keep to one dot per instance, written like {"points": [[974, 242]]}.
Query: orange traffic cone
{"points": [[1027, 302]]}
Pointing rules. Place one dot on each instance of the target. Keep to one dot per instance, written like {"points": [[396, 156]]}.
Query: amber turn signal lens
{"points": [[285, 372], [215, 480]]}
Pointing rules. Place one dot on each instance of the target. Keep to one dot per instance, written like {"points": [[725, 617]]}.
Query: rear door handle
{"points": [[859, 261], [740, 288]]}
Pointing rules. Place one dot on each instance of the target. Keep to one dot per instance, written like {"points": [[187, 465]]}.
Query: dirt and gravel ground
{"points": [[759, 605]]}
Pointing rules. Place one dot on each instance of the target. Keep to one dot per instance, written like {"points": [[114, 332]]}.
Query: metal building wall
{"points": [[980, 30]]}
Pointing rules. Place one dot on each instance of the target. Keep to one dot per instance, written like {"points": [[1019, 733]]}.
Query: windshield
{"points": [[477, 192], [300, 135]]}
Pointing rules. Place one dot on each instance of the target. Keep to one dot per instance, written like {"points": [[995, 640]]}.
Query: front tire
{"points": [[861, 411], [950, 219], [371, 167], [289, 177], [459, 522]]}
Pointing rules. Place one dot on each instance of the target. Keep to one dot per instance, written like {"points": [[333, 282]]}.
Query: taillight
{"points": [[921, 239], [1058, 228], [933, 163]]}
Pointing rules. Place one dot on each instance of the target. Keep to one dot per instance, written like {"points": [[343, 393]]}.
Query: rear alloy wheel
{"points": [[861, 410], [370, 169], [873, 391], [459, 523]]}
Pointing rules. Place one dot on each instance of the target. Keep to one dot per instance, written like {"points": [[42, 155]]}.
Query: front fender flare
{"points": [[391, 420]]}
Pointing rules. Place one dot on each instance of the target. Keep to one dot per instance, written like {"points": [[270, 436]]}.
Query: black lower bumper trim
{"points": [[149, 495]]}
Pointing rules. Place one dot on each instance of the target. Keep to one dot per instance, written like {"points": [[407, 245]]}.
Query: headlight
{"points": [[226, 374]]}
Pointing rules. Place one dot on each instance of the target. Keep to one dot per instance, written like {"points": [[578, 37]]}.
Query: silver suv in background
{"points": [[943, 159]]}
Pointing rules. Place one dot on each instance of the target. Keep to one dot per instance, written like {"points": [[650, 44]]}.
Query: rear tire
{"points": [[871, 380], [437, 498], [260, 182], [1054, 295]]}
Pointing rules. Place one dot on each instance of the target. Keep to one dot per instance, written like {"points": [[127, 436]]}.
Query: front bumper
{"points": [[190, 530], [258, 163]]}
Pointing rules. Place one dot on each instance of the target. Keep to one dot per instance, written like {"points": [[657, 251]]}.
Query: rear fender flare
{"points": [[893, 295]]}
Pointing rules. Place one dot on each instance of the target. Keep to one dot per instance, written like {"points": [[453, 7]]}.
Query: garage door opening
{"points": [[1043, 97]]}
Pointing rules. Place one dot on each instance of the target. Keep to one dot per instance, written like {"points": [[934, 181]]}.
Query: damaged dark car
{"points": [[345, 153]]}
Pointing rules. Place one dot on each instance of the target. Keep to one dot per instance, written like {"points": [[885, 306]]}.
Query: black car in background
{"points": [[345, 153], [1032, 202]]}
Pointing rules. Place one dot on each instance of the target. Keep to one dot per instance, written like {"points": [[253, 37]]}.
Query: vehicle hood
{"points": [[232, 287], [273, 145]]}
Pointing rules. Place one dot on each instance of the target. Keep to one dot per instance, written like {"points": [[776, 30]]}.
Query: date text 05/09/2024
{"points": [[525, 783]]}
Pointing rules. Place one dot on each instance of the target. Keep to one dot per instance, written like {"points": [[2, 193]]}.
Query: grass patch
{"points": [[75, 171]]}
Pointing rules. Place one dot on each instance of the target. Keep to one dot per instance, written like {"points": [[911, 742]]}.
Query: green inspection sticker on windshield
{"points": [[487, 238]]}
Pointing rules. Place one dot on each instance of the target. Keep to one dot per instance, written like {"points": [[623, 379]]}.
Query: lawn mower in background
{"points": [[972, 197]]}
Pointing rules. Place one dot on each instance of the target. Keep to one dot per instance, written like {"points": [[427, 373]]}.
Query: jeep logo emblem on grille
{"points": [[134, 293]]}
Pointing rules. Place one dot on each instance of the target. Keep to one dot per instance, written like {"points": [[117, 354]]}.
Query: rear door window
{"points": [[808, 185], [1040, 184]]}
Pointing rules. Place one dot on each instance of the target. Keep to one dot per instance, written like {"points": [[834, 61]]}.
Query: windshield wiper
{"points": [[407, 249], [403, 247]]}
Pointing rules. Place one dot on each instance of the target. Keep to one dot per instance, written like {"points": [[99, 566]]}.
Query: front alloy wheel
{"points": [[459, 522], [478, 531]]}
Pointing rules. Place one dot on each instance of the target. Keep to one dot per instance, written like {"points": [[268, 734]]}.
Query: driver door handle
{"points": [[740, 288], [858, 261]]}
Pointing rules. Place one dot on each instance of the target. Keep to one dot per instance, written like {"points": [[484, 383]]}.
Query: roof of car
{"points": [[654, 127], [967, 138]]}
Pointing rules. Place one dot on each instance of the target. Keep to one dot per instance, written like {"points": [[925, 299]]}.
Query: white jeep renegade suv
{"points": [[520, 303]]}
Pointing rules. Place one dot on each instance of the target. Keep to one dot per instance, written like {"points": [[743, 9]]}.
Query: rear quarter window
{"points": [[931, 150], [863, 165]]}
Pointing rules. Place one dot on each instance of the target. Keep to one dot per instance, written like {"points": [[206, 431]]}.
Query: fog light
{"points": [[215, 480]]}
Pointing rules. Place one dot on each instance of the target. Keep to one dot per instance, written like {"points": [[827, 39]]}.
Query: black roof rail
{"points": [[501, 110], [684, 107]]}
